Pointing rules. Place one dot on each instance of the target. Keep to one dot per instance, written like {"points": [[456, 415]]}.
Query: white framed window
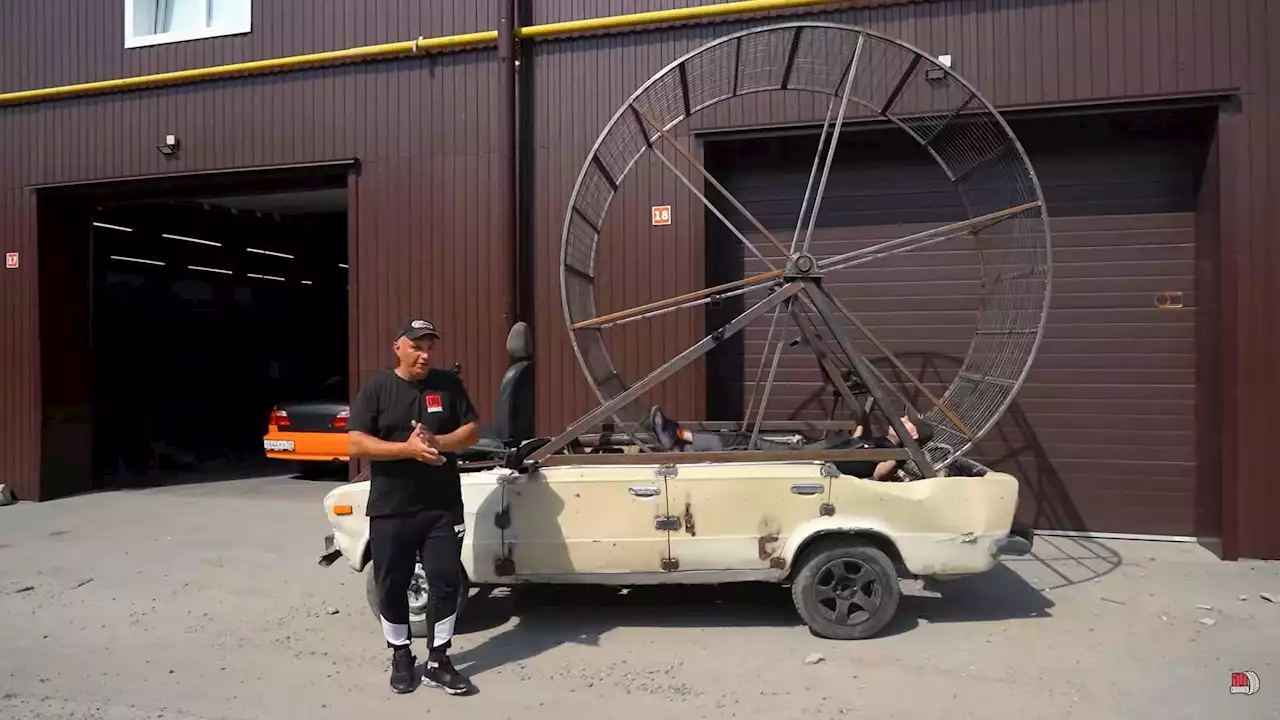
{"points": [[155, 22]]}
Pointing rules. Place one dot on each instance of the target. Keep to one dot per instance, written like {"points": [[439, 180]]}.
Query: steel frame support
{"points": [[810, 289], [824, 304], [666, 370]]}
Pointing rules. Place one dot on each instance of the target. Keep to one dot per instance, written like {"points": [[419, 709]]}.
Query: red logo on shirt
{"points": [[433, 403]]}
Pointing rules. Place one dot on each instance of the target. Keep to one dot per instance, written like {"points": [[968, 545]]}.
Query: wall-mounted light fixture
{"points": [[169, 147], [937, 74]]}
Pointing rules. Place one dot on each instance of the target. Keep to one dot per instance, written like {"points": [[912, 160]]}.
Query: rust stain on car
{"points": [[767, 536], [688, 518], [765, 543]]}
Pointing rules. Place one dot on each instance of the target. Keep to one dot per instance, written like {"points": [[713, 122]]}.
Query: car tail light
{"points": [[340, 420], [279, 418]]}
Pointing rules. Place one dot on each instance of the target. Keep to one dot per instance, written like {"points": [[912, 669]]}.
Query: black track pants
{"points": [[395, 542]]}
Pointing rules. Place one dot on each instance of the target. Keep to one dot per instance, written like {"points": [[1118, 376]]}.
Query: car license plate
{"points": [[278, 445]]}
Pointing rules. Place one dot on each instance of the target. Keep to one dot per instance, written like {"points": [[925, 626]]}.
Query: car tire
{"points": [[417, 598], [847, 591]]}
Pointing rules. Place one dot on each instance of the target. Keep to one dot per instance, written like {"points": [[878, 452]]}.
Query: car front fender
{"points": [[344, 507]]}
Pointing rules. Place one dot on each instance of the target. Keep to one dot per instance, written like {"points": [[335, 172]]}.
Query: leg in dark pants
{"points": [[393, 544], [442, 561]]}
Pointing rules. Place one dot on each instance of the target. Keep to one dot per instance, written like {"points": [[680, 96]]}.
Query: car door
{"points": [[586, 519], [738, 516]]}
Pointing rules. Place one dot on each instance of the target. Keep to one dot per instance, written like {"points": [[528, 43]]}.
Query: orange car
{"points": [[309, 432]]}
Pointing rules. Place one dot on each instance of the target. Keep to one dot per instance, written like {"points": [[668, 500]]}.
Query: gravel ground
{"points": [[205, 601]]}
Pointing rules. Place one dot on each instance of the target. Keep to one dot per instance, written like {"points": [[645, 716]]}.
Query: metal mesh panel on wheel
{"points": [[864, 75]]}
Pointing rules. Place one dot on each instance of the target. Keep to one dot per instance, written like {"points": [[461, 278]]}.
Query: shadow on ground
{"points": [[551, 616], [1066, 561]]}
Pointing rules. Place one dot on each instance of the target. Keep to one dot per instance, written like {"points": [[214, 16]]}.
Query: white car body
{"points": [[736, 522]]}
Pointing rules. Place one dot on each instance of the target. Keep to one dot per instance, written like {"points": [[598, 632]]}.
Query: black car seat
{"points": [[513, 417]]}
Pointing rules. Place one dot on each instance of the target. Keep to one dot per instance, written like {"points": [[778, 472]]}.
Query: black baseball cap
{"points": [[414, 329]]}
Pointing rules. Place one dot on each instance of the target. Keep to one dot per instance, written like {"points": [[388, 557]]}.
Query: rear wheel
{"points": [[418, 595], [847, 591]]}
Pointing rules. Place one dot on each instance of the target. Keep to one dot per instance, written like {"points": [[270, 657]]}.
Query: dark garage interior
{"points": [[204, 312]]}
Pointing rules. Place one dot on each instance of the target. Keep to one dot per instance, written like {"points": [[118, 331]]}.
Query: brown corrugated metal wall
{"points": [[418, 128], [1019, 53], [1104, 431]]}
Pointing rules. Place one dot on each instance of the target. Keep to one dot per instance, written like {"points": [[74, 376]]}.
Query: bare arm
{"points": [[367, 446], [460, 439]]}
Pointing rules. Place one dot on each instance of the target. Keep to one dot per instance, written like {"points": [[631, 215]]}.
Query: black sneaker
{"points": [[402, 662], [441, 674]]}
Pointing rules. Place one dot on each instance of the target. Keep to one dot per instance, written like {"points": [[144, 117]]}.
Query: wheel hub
{"points": [[418, 590], [847, 591], [803, 265]]}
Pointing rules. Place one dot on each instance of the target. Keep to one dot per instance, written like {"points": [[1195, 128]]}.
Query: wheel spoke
{"points": [[824, 592], [668, 369], [709, 178], [813, 173], [972, 226], [755, 386], [835, 139], [686, 300], [682, 306], [842, 610], [768, 386], [714, 210], [867, 602], [862, 577]]}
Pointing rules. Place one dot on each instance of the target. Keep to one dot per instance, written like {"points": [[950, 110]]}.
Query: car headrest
{"points": [[520, 342]]}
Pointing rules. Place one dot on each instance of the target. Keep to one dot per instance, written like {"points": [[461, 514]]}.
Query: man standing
{"points": [[409, 423]]}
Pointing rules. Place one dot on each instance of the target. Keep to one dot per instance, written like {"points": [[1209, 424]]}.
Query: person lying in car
{"points": [[673, 437]]}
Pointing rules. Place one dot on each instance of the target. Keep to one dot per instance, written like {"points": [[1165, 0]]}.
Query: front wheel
{"points": [[418, 595], [847, 592]]}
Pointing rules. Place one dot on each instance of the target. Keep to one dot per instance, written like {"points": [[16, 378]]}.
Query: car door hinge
{"points": [[502, 519], [827, 509], [666, 522], [670, 564], [666, 472], [504, 567]]}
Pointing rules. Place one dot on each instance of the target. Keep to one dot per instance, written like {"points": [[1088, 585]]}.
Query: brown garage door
{"points": [[1103, 432]]}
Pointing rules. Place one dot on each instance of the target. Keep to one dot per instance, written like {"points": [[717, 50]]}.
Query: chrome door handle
{"points": [[644, 490], [808, 489]]}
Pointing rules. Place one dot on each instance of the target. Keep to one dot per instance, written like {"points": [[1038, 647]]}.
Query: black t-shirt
{"points": [[385, 408]]}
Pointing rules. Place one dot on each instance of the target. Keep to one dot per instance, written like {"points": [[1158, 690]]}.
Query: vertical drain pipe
{"points": [[524, 115], [508, 222]]}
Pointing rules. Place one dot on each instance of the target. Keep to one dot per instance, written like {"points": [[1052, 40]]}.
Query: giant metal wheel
{"points": [[870, 75]]}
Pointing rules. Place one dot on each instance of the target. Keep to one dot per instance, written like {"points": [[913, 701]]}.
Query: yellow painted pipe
{"points": [[292, 62], [410, 47], [658, 17]]}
